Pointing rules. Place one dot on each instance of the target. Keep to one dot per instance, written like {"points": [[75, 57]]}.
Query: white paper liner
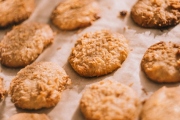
{"points": [[130, 73]]}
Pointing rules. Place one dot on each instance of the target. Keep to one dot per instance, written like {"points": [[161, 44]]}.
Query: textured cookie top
{"points": [[156, 13], [98, 53], [73, 14], [23, 44], [109, 100], [14, 11], [38, 85], [161, 62], [29, 116], [164, 104]]}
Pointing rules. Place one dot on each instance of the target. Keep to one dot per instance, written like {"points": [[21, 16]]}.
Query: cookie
{"points": [[109, 100], [74, 14], [156, 13], [98, 53], [15, 11], [161, 62], [2, 90], [38, 85], [29, 116], [164, 104], [24, 43]]}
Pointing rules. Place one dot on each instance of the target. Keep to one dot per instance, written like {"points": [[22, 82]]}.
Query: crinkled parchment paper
{"points": [[130, 73]]}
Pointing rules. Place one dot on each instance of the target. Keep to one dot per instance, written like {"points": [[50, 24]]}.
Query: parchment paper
{"points": [[130, 73]]}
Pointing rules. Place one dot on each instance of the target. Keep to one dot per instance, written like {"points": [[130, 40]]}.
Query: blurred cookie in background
{"points": [[29, 116], [156, 13], [15, 11], [161, 62], [109, 100], [163, 104], [24, 43], [74, 14]]}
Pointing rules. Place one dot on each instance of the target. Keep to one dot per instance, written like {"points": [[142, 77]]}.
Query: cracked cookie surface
{"points": [[156, 13], [161, 62], [24, 43], [2, 90], [98, 53], [15, 11], [109, 100], [74, 14], [38, 85]]}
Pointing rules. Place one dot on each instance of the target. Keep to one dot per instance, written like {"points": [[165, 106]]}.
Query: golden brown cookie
{"points": [[29, 116], [24, 43], [15, 11], [74, 14], [38, 85], [2, 90], [109, 100], [164, 104], [98, 53], [161, 62], [156, 13]]}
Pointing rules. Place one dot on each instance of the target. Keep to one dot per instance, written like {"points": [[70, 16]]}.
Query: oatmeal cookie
{"points": [[164, 104], [98, 53], [38, 85], [15, 11], [109, 100], [24, 43], [74, 14], [156, 13], [161, 62]]}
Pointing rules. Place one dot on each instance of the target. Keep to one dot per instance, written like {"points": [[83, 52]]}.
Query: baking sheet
{"points": [[130, 73]]}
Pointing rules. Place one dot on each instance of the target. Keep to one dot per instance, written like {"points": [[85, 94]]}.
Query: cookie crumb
{"points": [[144, 90], [131, 84], [58, 48], [143, 102], [123, 13], [97, 17]]}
